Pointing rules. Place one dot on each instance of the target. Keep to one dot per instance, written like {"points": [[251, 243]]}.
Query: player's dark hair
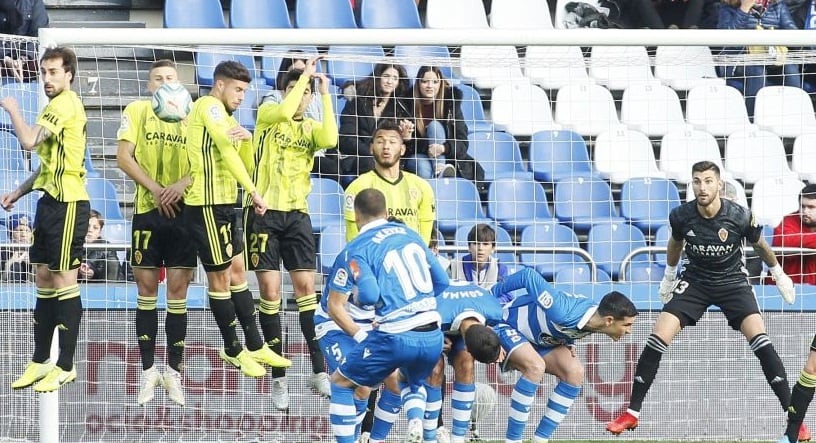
{"points": [[286, 66], [97, 215], [294, 76], [68, 56], [387, 125], [617, 305], [705, 165], [808, 191], [163, 63], [370, 203], [482, 343], [230, 69], [482, 233]]}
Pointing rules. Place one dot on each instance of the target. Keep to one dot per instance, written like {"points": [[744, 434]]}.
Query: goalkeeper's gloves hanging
{"points": [[784, 284], [668, 284]]}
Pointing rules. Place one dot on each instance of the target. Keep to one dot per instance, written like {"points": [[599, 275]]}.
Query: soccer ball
{"points": [[485, 401], [172, 102]]}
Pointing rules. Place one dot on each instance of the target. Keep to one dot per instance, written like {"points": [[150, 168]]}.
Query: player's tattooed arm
{"points": [[42, 134], [7, 200]]}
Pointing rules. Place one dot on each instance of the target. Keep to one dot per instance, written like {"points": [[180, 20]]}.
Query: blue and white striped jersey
{"points": [[464, 300]]}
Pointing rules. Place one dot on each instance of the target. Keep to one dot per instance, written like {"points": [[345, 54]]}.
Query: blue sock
{"points": [[521, 401], [461, 405], [360, 406], [413, 401], [433, 405], [385, 414], [342, 414], [559, 403]]}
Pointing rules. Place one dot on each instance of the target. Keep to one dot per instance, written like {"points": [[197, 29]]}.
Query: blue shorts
{"points": [[511, 339], [414, 353], [335, 346]]}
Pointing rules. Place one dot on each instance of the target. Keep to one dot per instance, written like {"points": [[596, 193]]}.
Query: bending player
{"points": [[801, 396]]}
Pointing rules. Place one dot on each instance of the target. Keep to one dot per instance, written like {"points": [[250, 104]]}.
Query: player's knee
{"points": [[438, 373], [534, 370], [574, 374], [362, 392], [810, 364]]}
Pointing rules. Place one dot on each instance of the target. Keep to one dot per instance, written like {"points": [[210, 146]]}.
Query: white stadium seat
{"points": [[774, 197], [552, 67], [489, 66], [622, 154], [652, 108], [585, 108], [753, 154], [521, 108], [784, 110], [718, 109], [684, 67], [618, 67], [682, 148]]}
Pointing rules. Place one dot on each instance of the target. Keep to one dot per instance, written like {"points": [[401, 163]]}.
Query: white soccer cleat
{"points": [[150, 379], [414, 434], [172, 384], [320, 385], [280, 394], [443, 435], [364, 437]]}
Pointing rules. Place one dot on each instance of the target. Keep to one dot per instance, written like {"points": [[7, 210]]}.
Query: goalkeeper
{"points": [[710, 230]]}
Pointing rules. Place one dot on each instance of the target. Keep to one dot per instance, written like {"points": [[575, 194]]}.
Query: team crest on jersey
{"points": [[215, 113], [137, 257], [354, 267], [340, 278], [307, 126], [545, 299], [413, 193], [350, 202], [228, 249], [254, 258], [125, 122], [723, 234]]}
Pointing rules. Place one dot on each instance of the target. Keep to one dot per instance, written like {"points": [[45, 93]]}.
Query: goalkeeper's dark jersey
{"points": [[713, 246]]}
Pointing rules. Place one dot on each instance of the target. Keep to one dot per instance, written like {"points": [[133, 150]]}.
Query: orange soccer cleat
{"points": [[804, 433], [625, 422]]}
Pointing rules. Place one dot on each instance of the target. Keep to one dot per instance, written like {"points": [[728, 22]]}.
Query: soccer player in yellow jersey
{"points": [[153, 153], [409, 198], [285, 143], [58, 136], [215, 143]]}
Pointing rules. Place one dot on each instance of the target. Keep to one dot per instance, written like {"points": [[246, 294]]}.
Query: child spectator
{"points": [[481, 266], [16, 266], [100, 264]]}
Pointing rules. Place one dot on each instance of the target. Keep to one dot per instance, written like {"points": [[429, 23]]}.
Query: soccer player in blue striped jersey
{"points": [[538, 335], [396, 273]]}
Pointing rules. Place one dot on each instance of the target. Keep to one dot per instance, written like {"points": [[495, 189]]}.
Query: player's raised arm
{"points": [[29, 136], [326, 135]]}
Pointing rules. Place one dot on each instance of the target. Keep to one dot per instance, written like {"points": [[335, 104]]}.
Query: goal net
{"points": [[585, 148]]}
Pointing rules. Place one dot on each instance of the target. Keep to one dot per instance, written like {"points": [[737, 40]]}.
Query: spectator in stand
{"points": [[481, 267], [100, 265], [381, 96], [758, 14], [16, 266], [662, 14], [798, 230], [25, 18]]}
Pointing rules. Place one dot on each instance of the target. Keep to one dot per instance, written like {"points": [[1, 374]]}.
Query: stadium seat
{"points": [[547, 235], [11, 154], [610, 243], [784, 110], [661, 239], [684, 67], [473, 110], [118, 231], [520, 14], [553, 67], [457, 14], [27, 96], [325, 203], [457, 203], [460, 238], [9, 181], [499, 154], [580, 274], [652, 109], [582, 201], [752, 154], [104, 198], [804, 157], [324, 14], [517, 203], [342, 69], [193, 14], [775, 197], [332, 241], [245, 114], [259, 14], [270, 64], [489, 66], [339, 103], [619, 67], [521, 108], [389, 14], [717, 109], [644, 273], [646, 202], [207, 58], [682, 148], [585, 108], [558, 154], [414, 57], [622, 154]]}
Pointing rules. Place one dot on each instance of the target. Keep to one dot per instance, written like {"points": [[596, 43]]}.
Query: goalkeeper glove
{"points": [[784, 284], [668, 284]]}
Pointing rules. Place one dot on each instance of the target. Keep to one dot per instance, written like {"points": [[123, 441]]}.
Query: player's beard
{"points": [[389, 163]]}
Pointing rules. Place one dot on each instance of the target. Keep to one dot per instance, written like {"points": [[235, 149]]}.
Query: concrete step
{"points": [[103, 4], [97, 24], [57, 15], [127, 82], [102, 128]]}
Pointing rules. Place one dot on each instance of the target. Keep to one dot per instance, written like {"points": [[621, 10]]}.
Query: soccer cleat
{"points": [[804, 433], [33, 373], [319, 383], [56, 379], [442, 435], [364, 437], [245, 363], [147, 385], [269, 357], [414, 434], [172, 384], [280, 394], [784, 439], [622, 423]]}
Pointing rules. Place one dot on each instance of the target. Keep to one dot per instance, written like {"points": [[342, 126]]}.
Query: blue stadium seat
{"points": [[499, 154], [332, 241], [473, 110], [11, 155], [559, 154], [325, 204], [245, 114], [645, 273], [339, 103], [208, 58], [193, 14], [460, 238], [550, 235], [517, 203], [27, 96], [342, 70], [259, 14], [270, 64], [104, 198], [661, 238], [581, 201], [646, 202], [609, 243], [438, 56], [389, 14], [580, 274], [9, 181], [324, 14], [457, 203], [90, 169]]}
